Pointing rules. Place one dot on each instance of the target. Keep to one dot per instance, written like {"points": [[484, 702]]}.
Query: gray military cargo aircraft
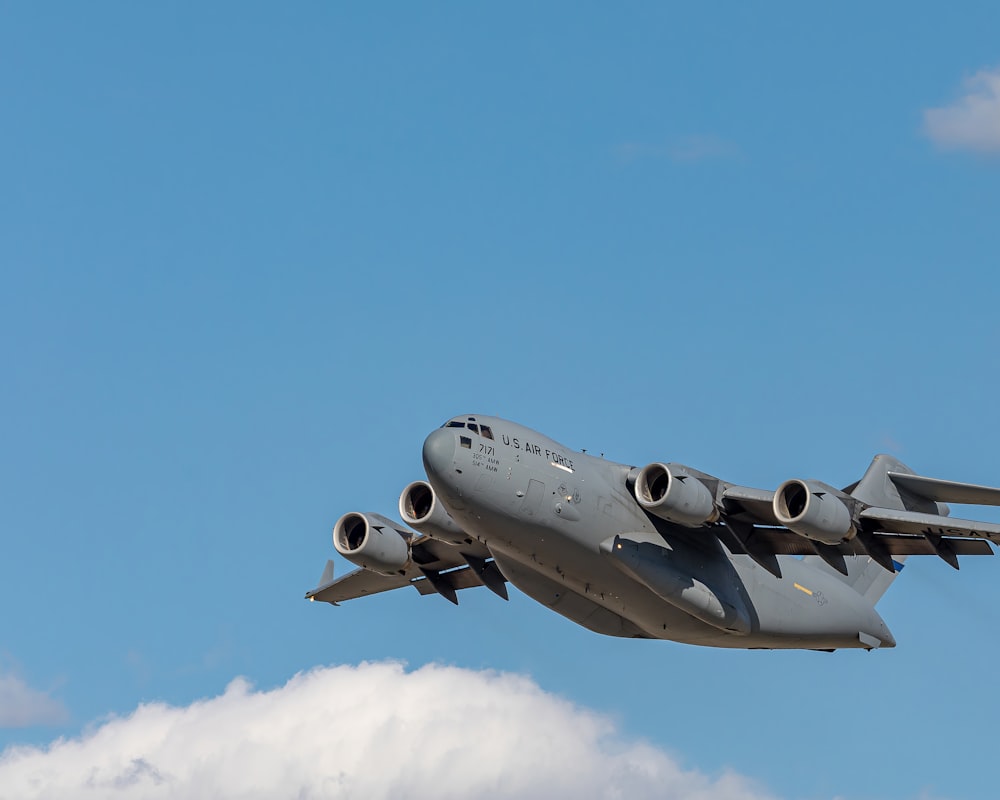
{"points": [[661, 552]]}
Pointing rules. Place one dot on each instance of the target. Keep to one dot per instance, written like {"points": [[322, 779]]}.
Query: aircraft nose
{"points": [[439, 452]]}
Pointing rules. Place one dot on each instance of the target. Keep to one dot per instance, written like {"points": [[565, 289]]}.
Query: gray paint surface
{"points": [[505, 503]]}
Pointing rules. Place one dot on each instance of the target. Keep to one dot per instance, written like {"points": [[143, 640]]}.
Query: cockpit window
{"points": [[484, 430], [465, 441]]}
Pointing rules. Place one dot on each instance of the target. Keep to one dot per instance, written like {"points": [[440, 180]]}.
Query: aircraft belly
{"points": [[584, 611], [607, 603], [544, 564], [554, 551], [564, 575]]}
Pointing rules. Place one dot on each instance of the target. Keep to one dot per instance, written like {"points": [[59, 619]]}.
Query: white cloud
{"points": [[372, 731], [21, 706], [972, 122]]}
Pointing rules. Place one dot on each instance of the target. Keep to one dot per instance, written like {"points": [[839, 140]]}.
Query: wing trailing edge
{"points": [[781, 541]]}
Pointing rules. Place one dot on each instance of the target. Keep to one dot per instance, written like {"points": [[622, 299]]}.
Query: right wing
{"points": [[435, 567], [357, 583]]}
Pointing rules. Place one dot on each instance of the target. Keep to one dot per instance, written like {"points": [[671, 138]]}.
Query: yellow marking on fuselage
{"points": [[802, 588]]}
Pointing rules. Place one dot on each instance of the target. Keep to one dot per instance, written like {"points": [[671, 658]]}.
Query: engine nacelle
{"points": [[420, 509], [671, 494], [372, 542], [813, 510]]}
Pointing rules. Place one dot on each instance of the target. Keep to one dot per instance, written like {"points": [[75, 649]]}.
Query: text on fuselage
{"points": [[537, 450], [486, 458]]}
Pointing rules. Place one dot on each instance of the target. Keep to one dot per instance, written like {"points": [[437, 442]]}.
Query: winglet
{"points": [[324, 581]]}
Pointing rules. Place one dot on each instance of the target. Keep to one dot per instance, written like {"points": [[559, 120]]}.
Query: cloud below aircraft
{"points": [[374, 730]]}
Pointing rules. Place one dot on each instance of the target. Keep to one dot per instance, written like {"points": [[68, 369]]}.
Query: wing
{"points": [[357, 583], [435, 568], [751, 527]]}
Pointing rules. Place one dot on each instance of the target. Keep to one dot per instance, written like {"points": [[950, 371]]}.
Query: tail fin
{"points": [[875, 488]]}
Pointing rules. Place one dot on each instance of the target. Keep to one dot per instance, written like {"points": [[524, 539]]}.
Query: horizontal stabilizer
{"points": [[916, 524], [946, 491]]}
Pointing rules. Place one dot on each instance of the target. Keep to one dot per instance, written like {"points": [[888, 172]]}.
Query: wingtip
{"points": [[325, 580]]}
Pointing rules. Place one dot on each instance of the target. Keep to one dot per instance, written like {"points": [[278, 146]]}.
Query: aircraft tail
{"points": [[876, 488]]}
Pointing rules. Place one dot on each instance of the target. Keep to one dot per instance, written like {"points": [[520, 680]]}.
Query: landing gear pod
{"points": [[654, 566]]}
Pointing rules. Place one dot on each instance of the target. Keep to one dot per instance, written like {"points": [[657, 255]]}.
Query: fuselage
{"points": [[565, 528]]}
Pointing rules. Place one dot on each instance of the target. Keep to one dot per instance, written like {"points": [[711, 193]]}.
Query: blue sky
{"points": [[250, 256]]}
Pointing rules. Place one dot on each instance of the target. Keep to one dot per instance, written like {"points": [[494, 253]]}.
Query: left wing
{"points": [[752, 527], [435, 567]]}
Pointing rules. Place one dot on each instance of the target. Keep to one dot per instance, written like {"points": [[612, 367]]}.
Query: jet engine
{"points": [[667, 491], [420, 508], [371, 542], [813, 510]]}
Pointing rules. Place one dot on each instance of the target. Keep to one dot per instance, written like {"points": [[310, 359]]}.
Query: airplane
{"points": [[659, 552]]}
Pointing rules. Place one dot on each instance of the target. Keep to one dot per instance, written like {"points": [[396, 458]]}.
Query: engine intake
{"points": [[372, 542], [813, 510], [420, 509], [671, 494]]}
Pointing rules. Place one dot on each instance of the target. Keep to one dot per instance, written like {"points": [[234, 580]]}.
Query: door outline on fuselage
{"points": [[533, 497]]}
